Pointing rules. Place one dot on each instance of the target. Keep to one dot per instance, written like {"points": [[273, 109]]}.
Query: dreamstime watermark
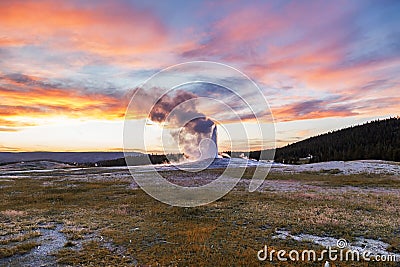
{"points": [[341, 252], [181, 107]]}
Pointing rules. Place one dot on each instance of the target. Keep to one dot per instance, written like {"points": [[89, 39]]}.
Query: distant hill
{"points": [[378, 139], [84, 159], [64, 157]]}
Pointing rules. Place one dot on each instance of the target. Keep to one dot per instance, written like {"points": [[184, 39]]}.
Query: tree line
{"points": [[379, 139]]}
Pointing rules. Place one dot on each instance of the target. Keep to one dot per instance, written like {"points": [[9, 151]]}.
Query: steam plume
{"points": [[194, 126]]}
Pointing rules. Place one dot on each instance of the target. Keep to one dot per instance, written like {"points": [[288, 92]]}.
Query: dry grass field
{"points": [[52, 220]]}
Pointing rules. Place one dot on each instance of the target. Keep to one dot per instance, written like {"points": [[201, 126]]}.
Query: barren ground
{"points": [[98, 217]]}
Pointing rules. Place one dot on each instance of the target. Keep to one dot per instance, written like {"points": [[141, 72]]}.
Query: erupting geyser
{"points": [[214, 139], [208, 147], [196, 134]]}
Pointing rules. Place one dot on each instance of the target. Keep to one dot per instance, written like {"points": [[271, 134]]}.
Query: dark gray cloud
{"points": [[193, 125]]}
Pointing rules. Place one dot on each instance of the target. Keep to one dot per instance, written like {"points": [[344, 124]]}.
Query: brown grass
{"points": [[118, 226], [17, 249]]}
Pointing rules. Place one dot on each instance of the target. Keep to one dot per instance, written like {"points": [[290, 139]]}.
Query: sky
{"points": [[68, 68]]}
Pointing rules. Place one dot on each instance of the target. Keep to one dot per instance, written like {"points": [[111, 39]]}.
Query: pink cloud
{"points": [[28, 96], [106, 29]]}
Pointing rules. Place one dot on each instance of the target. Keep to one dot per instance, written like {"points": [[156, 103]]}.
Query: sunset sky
{"points": [[67, 67]]}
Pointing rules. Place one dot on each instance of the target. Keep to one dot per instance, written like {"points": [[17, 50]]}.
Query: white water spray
{"points": [[214, 139]]}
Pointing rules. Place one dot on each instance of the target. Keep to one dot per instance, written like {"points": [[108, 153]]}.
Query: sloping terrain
{"points": [[375, 140]]}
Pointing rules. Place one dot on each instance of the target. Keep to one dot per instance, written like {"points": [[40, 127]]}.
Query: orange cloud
{"points": [[12, 126], [28, 97], [311, 109], [104, 28]]}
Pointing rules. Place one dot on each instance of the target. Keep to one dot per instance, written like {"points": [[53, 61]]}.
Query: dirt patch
{"points": [[50, 241]]}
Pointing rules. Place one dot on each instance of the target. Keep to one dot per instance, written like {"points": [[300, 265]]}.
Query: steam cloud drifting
{"points": [[194, 126]]}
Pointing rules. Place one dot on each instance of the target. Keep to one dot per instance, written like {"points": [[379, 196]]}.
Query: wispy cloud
{"points": [[28, 96], [312, 60], [102, 27]]}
